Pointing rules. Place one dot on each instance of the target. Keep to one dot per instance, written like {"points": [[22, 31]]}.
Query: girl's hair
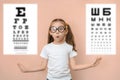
{"points": [[69, 37]]}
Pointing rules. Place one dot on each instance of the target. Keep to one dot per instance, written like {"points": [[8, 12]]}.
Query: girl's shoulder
{"points": [[47, 45], [69, 44], [52, 44]]}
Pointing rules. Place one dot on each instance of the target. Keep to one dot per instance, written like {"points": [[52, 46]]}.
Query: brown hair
{"points": [[69, 37]]}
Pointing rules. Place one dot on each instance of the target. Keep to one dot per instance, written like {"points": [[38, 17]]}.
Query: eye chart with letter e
{"points": [[20, 29], [100, 29]]}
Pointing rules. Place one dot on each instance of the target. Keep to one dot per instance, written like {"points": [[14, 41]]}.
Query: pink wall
{"points": [[73, 11]]}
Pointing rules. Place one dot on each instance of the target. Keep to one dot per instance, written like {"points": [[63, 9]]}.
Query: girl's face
{"points": [[58, 31]]}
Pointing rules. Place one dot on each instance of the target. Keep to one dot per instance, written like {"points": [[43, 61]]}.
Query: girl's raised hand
{"points": [[97, 61], [22, 68]]}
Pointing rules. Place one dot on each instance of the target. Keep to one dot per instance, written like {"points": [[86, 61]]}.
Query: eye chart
{"points": [[100, 29], [20, 29]]}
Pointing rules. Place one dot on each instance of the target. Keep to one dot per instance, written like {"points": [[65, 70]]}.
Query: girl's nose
{"points": [[57, 32]]}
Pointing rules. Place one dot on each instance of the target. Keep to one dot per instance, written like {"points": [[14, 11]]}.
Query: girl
{"points": [[59, 53]]}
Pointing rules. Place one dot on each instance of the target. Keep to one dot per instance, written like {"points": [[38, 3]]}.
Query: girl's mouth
{"points": [[57, 36]]}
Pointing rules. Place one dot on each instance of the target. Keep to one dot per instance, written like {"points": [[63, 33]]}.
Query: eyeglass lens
{"points": [[54, 29]]}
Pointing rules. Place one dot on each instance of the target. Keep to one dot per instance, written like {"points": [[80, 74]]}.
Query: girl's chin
{"points": [[58, 40]]}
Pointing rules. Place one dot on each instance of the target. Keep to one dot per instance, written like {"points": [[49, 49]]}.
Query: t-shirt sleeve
{"points": [[44, 53], [73, 53]]}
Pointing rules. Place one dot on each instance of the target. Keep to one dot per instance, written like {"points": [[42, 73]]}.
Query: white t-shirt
{"points": [[58, 60]]}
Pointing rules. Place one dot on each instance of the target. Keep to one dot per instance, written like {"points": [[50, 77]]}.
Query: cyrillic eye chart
{"points": [[100, 29], [20, 29]]}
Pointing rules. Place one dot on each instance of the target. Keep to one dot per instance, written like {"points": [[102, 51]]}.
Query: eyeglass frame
{"points": [[57, 28]]}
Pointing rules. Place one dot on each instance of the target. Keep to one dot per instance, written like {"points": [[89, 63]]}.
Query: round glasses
{"points": [[61, 29]]}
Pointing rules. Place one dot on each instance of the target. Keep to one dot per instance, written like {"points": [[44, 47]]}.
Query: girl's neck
{"points": [[58, 42]]}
